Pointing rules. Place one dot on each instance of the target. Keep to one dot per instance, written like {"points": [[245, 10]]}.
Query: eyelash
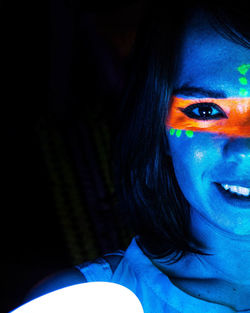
{"points": [[189, 111]]}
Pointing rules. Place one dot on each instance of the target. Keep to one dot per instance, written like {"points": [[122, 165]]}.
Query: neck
{"points": [[230, 253]]}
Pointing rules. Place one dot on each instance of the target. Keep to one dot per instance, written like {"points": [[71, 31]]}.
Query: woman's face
{"points": [[211, 66]]}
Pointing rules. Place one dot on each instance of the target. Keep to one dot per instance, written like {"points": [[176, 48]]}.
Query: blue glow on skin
{"points": [[210, 61]]}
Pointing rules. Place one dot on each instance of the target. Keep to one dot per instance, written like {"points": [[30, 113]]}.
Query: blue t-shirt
{"points": [[155, 291]]}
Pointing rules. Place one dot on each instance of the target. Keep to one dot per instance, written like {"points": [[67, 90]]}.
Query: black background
{"points": [[36, 67]]}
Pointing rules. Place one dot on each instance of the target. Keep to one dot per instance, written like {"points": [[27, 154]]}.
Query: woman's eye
{"points": [[204, 111]]}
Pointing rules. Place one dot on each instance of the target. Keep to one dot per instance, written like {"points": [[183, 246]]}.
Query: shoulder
{"points": [[57, 280], [102, 268]]}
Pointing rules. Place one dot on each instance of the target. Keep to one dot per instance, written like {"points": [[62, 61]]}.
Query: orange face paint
{"points": [[229, 116]]}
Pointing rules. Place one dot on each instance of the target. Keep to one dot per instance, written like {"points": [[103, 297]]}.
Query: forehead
{"points": [[209, 60]]}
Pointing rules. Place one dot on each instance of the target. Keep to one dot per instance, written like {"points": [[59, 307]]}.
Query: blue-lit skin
{"points": [[210, 61]]}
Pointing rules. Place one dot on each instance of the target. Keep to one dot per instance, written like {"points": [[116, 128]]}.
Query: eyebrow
{"points": [[192, 91]]}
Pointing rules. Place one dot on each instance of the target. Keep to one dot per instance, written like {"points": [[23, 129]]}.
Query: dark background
{"points": [[63, 68]]}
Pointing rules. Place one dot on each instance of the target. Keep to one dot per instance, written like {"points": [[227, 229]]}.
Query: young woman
{"points": [[183, 159]]}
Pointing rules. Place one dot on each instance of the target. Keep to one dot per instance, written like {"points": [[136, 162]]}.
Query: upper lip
{"points": [[242, 183]]}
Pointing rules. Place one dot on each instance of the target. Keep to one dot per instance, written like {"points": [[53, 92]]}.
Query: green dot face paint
{"points": [[172, 131], [243, 80], [243, 69], [189, 133], [178, 133], [243, 92]]}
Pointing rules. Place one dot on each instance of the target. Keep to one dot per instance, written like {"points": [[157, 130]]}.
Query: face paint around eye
{"points": [[231, 117]]}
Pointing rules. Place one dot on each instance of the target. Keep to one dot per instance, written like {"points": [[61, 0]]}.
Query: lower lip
{"points": [[243, 202]]}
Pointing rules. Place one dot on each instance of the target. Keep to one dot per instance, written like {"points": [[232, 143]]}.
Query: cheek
{"points": [[194, 159], [199, 148], [190, 151]]}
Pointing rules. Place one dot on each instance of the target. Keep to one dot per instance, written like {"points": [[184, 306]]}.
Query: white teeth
{"points": [[243, 191], [225, 187], [233, 189]]}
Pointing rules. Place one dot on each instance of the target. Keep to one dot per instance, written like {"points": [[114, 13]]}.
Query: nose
{"points": [[238, 150]]}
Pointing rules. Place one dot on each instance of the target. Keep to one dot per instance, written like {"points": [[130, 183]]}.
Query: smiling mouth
{"points": [[232, 192]]}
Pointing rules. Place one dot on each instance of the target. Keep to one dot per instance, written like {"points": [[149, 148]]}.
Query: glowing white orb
{"points": [[89, 297]]}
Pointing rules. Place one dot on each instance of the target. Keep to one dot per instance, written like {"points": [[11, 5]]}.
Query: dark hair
{"points": [[148, 191]]}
